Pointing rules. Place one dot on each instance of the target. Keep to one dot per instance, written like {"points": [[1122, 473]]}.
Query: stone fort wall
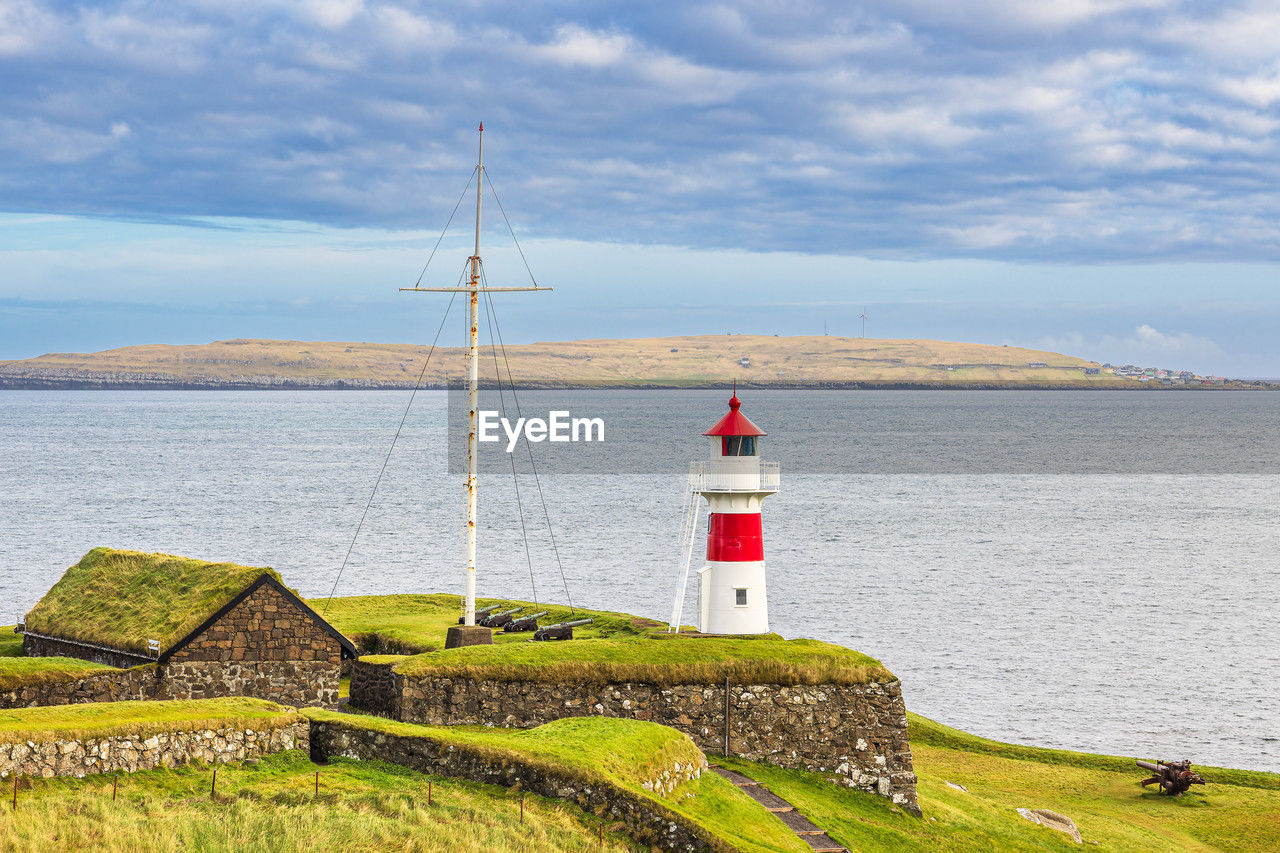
{"points": [[856, 733], [127, 753], [648, 821]]}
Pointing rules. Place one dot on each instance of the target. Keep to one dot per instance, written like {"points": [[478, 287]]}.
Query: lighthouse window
{"points": [[740, 597], [739, 445]]}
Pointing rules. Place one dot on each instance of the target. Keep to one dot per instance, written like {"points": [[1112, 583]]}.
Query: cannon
{"points": [[1173, 777], [497, 620], [480, 614], [524, 623], [561, 630]]}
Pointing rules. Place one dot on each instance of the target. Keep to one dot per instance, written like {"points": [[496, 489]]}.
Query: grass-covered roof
{"points": [[121, 599]]}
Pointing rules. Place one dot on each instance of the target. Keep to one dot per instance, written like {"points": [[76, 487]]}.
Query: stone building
{"points": [[209, 629]]}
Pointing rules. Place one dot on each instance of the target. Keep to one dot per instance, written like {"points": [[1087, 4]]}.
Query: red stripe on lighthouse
{"points": [[735, 538]]}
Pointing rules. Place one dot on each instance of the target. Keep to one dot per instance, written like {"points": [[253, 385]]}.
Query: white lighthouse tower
{"points": [[731, 586]]}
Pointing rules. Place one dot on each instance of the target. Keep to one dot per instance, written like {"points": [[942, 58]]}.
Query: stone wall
{"points": [[856, 733], [647, 821], [263, 647], [131, 752], [110, 686], [298, 683], [265, 626]]}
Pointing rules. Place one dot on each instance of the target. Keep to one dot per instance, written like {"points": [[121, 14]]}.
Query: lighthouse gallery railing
{"points": [[730, 475]]}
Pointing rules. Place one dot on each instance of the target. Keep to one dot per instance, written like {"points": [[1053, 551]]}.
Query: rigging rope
{"points": [[383, 469], [515, 480], [512, 230], [445, 230], [532, 466]]}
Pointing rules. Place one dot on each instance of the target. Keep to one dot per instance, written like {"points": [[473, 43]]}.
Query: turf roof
{"points": [[121, 599]]}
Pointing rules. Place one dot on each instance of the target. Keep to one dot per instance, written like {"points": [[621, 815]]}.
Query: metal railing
{"points": [[734, 475]]}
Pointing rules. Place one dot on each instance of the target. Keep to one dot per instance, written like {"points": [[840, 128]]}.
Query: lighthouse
{"points": [[731, 586]]}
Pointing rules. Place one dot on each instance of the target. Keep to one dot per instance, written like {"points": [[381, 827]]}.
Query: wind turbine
{"points": [[863, 317]]}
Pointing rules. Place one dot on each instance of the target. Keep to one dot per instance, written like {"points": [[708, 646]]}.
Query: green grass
{"points": [[273, 807], [10, 643], [101, 719], [654, 659], [410, 624], [16, 672], [927, 732], [623, 753], [1237, 811], [122, 599]]}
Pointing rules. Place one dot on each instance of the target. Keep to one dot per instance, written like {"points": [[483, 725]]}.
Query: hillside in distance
{"points": [[676, 362]]}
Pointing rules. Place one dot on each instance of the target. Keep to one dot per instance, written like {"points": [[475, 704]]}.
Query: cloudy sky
{"points": [[1093, 176]]}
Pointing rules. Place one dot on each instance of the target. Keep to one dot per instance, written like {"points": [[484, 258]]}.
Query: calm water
{"points": [[1085, 570]]}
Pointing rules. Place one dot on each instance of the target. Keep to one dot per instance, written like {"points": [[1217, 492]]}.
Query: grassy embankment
{"points": [[674, 362], [616, 647], [622, 753], [362, 805], [1237, 811], [411, 624], [92, 720], [17, 671], [273, 806]]}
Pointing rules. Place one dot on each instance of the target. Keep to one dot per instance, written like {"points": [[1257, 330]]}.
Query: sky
{"points": [[1096, 177]]}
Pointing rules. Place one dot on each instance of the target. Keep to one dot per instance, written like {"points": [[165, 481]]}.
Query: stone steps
{"points": [[805, 829]]}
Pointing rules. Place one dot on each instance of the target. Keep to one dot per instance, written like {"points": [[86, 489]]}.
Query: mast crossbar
{"points": [[485, 289]]}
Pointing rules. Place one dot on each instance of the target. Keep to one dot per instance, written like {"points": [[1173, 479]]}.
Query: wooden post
{"points": [[428, 792], [15, 792], [115, 787], [602, 833], [522, 809], [213, 786], [317, 783], [726, 716]]}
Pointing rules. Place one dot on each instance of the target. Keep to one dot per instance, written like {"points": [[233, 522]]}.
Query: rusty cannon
{"points": [[1175, 778], [524, 623], [497, 620], [480, 614], [561, 630]]}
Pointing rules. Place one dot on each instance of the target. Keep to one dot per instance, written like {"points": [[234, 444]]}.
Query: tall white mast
{"points": [[473, 291], [473, 397]]}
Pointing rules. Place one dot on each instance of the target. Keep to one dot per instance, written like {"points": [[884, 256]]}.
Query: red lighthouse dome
{"points": [[735, 423]]}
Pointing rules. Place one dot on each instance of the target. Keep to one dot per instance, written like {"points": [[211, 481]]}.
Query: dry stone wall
{"points": [[856, 733], [131, 752], [647, 821], [110, 686]]}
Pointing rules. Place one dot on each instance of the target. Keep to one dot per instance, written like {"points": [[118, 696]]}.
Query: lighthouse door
{"points": [[704, 597]]}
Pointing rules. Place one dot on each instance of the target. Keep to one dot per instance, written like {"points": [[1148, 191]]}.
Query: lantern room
{"points": [[734, 435]]}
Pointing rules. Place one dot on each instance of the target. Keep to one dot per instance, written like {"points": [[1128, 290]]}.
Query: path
{"points": [[809, 832]]}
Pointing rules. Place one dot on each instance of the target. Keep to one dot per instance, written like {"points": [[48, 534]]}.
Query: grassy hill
{"points": [[678, 362], [1238, 810], [970, 790]]}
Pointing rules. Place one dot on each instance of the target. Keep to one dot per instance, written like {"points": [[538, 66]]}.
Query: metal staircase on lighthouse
{"points": [[732, 598]]}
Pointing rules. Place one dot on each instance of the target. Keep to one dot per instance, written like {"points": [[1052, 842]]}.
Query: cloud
{"points": [[1145, 346], [572, 45], [1080, 131]]}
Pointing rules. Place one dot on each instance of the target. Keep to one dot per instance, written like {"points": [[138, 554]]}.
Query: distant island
{"points": [[701, 361]]}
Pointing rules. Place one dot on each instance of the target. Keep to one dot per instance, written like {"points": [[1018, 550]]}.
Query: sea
{"points": [[1086, 570]]}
